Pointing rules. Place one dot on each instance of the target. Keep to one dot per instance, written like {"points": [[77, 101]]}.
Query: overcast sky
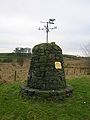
{"points": [[20, 19]]}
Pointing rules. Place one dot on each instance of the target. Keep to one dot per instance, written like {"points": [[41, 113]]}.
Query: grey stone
{"points": [[44, 76]]}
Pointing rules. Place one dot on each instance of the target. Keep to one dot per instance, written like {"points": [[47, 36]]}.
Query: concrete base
{"points": [[46, 94]]}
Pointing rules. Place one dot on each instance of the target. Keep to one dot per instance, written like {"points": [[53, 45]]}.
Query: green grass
{"points": [[5, 57], [13, 107]]}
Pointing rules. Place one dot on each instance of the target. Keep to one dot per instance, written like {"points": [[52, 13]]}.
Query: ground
{"points": [[77, 107]]}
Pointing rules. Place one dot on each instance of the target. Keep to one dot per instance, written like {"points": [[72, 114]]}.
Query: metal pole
{"points": [[46, 27], [47, 30]]}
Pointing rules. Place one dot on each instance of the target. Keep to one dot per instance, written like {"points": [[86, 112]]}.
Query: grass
{"points": [[13, 107], [12, 57]]}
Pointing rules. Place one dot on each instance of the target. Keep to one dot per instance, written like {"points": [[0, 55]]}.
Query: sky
{"points": [[20, 20]]}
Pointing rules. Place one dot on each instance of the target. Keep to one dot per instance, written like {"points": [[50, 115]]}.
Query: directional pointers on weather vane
{"points": [[47, 28]]}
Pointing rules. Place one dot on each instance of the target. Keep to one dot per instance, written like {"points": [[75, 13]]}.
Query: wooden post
{"points": [[15, 75]]}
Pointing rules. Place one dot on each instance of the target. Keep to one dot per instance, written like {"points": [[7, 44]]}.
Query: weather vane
{"points": [[46, 27]]}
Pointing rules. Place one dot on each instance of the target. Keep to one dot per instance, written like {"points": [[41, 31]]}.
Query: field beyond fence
{"points": [[15, 68]]}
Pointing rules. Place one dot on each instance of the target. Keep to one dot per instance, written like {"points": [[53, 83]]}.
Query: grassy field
{"points": [[20, 63], [13, 57], [13, 107]]}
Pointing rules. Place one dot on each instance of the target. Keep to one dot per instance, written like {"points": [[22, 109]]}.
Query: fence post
{"points": [[15, 75]]}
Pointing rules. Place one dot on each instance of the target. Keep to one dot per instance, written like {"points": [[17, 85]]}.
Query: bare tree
{"points": [[86, 49], [86, 52]]}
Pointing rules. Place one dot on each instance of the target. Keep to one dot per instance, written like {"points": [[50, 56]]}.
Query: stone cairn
{"points": [[46, 77]]}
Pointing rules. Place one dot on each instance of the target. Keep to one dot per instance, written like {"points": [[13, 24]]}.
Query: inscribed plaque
{"points": [[58, 65]]}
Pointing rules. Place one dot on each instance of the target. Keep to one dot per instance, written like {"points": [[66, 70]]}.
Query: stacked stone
{"points": [[43, 75], [46, 74]]}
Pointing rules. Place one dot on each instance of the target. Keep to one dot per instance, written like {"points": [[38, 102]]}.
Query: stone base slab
{"points": [[46, 94]]}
